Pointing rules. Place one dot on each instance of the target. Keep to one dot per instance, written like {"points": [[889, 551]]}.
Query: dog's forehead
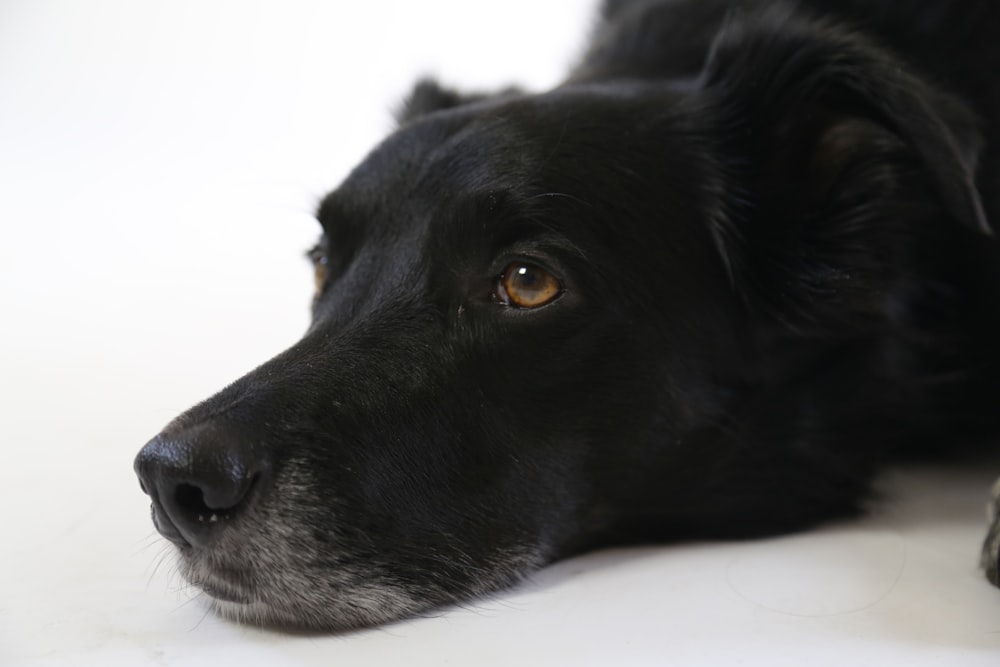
{"points": [[569, 139], [589, 168], [484, 146]]}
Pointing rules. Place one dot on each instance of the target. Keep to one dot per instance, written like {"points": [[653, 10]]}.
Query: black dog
{"points": [[739, 260]]}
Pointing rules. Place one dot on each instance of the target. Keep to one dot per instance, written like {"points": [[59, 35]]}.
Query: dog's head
{"points": [[539, 324]]}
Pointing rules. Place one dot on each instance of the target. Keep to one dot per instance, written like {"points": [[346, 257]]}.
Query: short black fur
{"points": [[771, 224]]}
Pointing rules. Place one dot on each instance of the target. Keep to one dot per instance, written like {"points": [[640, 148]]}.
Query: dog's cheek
{"points": [[575, 410], [419, 544], [420, 480]]}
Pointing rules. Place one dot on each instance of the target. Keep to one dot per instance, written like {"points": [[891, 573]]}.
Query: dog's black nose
{"points": [[199, 479]]}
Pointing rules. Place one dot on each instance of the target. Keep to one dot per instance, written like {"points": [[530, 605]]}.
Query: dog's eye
{"points": [[524, 285], [320, 263]]}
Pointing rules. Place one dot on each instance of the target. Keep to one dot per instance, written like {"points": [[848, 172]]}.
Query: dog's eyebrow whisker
{"points": [[561, 195]]}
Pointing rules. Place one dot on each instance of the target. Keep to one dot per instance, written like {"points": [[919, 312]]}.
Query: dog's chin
{"points": [[281, 601], [262, 615], [289, 598]]}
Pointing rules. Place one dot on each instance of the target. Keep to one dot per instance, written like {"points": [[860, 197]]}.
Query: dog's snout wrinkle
{"points": [[198, 480]]}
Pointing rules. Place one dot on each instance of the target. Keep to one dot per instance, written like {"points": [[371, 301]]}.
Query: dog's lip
{"points": [[227, 582], [165, 527], [225, 593], [224, 588]]}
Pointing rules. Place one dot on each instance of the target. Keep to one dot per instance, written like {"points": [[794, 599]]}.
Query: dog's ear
{"points": [[810, 102], [428, 96]]}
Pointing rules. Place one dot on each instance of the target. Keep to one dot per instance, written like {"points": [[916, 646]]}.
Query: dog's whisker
{"points": [[147, 543], [166, 555]]}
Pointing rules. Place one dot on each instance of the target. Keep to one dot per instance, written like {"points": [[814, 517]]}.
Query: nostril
{"points": [[190, 500]]}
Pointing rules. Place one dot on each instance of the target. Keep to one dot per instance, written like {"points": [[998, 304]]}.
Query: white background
{"points": [[159, 162]]}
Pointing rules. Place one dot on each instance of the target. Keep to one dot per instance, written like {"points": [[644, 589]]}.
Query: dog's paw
{"points": [[991, 547]]}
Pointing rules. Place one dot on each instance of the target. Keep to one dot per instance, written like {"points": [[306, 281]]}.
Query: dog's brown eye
{"points": [[525, 285], [320, 263], [320, 274]]}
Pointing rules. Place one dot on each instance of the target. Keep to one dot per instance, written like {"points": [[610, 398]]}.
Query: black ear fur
{"points": [[786, 80], [429, 96]]}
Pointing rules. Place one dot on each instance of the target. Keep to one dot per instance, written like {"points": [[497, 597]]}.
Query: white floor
{"points": [[158, 166]]}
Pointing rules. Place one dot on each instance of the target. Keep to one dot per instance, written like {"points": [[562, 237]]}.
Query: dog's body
{"points": [[738, 261]]}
